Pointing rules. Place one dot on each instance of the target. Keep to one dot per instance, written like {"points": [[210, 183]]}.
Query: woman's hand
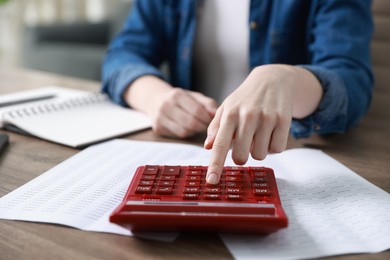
{"points": [[174, 112], [255, 119]]}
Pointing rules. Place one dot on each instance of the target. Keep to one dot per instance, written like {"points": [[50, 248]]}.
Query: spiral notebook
{"points": [[69, 117]]}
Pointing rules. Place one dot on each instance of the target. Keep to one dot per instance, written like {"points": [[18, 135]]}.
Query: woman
{"points": [[276, 67]]}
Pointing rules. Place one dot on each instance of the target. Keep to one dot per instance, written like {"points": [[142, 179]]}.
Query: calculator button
{"points": [[259, 185], [150, 170], [259, 179], [166, 183], [194, 178], [212, 189], [233, 168], [168, 178], [192, 183], [234, 197], [233, 178], [233, 190], [143, 189], [190, 196], [194, 173], [213, 185], [233, 184], [171, 170], [258, 174], [212, 196], [261, 192], [233, 173], [146, 183], [191, 190], [148, 177], [164, 190], [257, 168], [180, 193], [195, 168]]}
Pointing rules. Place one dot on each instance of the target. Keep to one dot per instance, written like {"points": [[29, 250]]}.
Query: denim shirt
{"points": [[330, 38]]}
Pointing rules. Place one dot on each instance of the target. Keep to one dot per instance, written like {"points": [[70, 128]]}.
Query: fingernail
{"points": [[206, 141], [212, 178]]}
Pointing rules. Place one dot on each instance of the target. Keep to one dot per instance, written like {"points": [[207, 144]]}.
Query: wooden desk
{"points": [[366, 150]]}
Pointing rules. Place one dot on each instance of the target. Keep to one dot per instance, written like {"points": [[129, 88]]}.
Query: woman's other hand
{"points": [[175, 112]]}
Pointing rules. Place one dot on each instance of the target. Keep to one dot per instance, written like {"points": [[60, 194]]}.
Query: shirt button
{"points": [[253, 25], [317, 127]]}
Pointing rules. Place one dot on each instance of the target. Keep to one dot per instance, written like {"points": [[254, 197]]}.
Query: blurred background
{"points": [[68, 37]]}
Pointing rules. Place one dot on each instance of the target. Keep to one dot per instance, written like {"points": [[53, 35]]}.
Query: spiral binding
{"points": [[52, 107]]}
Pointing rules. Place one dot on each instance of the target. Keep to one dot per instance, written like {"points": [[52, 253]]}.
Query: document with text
{"points": [[331, 209]]}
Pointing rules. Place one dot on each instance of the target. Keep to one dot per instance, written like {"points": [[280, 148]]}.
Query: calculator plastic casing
{"points": [[151, 206]]}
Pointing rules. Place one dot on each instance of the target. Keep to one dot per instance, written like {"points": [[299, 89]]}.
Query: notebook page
{"points": [[331, 211], [78, 121], [58, 93]]}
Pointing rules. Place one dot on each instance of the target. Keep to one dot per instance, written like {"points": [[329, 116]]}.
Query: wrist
{"points": [[144, 93], [308, 93]]}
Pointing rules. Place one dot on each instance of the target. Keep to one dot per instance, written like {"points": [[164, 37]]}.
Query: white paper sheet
{"points": [[82, 191], [331, 209]]}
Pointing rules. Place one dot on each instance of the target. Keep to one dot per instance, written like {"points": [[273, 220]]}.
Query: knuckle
{"points": [[212, 102], [165, 107], [176, 93], [231, 114], [267, 118], [219, 144], [284, 121], [249, 115]]}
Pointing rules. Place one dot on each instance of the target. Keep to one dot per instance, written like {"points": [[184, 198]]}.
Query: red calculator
{"points": [[177, 198]]}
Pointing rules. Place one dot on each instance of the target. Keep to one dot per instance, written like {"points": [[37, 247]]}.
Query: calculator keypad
{"points": [[168, 198], [189, 183]]}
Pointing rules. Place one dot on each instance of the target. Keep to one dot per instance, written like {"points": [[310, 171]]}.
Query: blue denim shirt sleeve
{"points": [[338, 32], [135, 52], [331, 115], [340, 48]]}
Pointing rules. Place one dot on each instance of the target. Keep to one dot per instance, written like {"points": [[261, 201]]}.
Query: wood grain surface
{"points": [[364, 149]]}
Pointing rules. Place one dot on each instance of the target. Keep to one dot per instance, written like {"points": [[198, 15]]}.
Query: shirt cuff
{"points": [[331, 114], [118, 81]]}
